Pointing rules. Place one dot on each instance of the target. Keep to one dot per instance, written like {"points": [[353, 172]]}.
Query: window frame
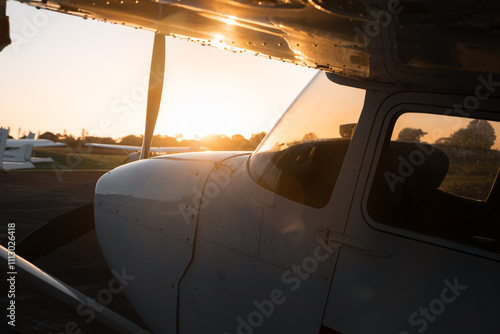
{"points": [[384, 136]]}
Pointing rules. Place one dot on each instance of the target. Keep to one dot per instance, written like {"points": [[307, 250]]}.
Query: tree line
{"points": [[478, 135], [213, 142]]}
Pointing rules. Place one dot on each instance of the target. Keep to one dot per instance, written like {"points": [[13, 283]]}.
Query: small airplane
{"points": [[371, 207], [135, 155], [19, 155]]}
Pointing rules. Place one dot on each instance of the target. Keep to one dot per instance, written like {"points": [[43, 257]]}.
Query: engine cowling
{"points": [[145, 217]]}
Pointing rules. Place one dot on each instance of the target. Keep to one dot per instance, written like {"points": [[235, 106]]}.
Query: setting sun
{"points": [[206, 113], [206, 90]]}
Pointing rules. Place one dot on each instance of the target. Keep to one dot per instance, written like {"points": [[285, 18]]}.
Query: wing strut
{"points": [[43, 282], [156, 77]]}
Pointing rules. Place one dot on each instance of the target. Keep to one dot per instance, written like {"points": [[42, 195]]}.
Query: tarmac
{"points": [[30, 199]]}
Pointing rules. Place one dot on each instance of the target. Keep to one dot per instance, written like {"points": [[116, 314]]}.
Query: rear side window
{"points": [[437, 175]]}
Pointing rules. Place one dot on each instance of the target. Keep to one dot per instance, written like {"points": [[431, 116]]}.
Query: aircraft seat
{"points": [[308, 171], [405, 194], [407, 176]]}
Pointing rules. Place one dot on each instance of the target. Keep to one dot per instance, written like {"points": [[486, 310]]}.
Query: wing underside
{"points": [[438, 45]]}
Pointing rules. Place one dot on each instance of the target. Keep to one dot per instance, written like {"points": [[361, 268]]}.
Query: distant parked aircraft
{"points": [[19, 154]]}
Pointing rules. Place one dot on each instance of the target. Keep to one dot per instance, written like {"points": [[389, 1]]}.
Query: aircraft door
{"points": [[426, 205]]}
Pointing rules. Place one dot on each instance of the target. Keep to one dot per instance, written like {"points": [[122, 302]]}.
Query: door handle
{"points": [[338, 240]]}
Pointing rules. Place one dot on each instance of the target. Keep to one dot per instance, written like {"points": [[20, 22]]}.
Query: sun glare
{"points": [[229, 20], [207, 113], [219, 42]]}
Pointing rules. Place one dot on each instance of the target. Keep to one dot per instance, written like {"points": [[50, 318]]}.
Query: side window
{"points": [[437, 175]]}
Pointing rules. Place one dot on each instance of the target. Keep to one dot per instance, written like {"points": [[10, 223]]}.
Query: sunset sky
{"points": [[63, 72]]}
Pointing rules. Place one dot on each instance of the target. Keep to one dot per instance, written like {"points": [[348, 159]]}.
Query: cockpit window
{"points": [[301, 157]]}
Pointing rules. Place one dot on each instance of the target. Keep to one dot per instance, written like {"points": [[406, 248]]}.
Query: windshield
{"points": [[301, 157]]}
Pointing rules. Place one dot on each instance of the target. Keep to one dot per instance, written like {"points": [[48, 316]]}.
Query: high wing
{"points": [[31, 141], [138, 148], [23, 153], [368, 42], [19, 155], [135, 155], [12, 143]]}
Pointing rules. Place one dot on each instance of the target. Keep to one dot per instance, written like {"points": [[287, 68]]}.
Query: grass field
{"points": [[65, 159], [471, 175]]}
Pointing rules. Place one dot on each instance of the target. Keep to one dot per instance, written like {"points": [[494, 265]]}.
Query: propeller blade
{"points": [[4, 26], [154, 92], [57, 233]]}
